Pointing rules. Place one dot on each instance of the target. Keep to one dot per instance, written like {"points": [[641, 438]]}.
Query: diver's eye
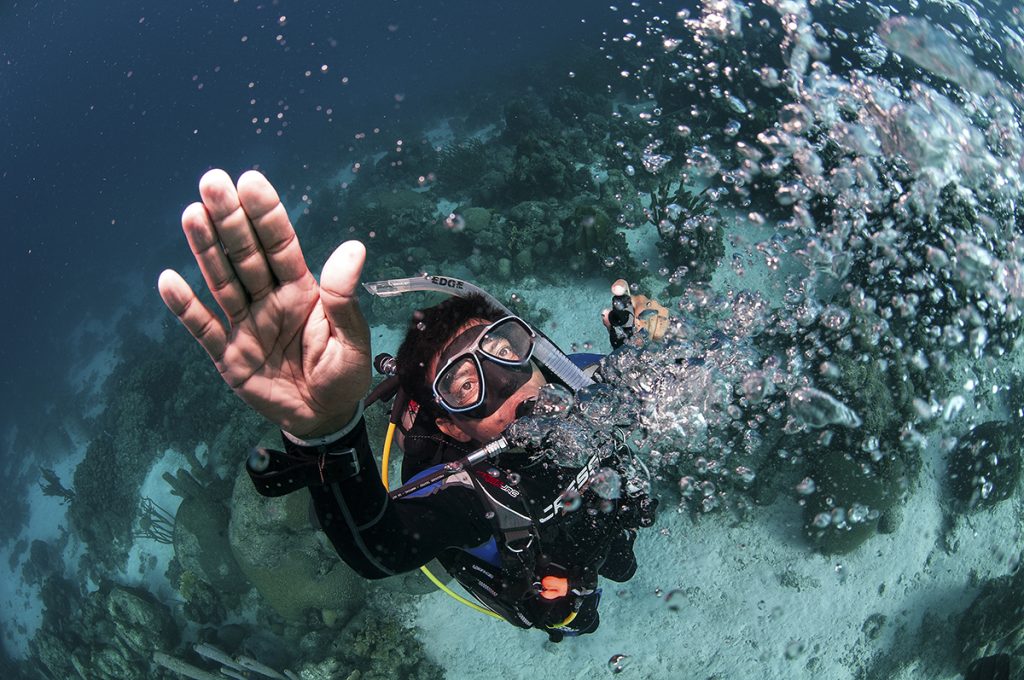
{"points": [[466, 392], [500, 348]]}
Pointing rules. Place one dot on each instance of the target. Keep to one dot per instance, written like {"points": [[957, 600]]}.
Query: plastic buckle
{"points": [[336, 456]]}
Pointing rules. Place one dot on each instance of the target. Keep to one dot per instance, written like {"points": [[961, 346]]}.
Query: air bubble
{"points": [[618, 663], [816, 409], [806, 486]]}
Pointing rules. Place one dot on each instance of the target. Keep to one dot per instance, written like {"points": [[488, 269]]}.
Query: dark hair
{"points": [[429, 330]]}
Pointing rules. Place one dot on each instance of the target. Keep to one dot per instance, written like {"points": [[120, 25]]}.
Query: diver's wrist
{"points": [[331, 437]]}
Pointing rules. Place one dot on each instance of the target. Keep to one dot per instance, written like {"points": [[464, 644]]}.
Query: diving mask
{"points": [[484, 366]]}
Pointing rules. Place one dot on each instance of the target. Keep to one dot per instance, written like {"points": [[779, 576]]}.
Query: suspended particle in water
{"points": [[687, 486], [923, 408], [675, 600], [795, 118], [607, 484], [736, 104], [806, 486], [829, 370], [454, 222], [571, 501], [954, 405], [769, 77], [618, 663], [653, 162], [858, 513]]}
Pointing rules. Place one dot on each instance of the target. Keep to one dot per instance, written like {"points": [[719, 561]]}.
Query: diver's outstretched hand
{"points": [[295, 351]]}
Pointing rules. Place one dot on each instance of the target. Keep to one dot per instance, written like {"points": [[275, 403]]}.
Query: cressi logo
{"points": [[445, 281], [575, 488], [498, 483]]}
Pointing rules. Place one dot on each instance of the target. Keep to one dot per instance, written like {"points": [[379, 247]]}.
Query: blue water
{"points": [[111, 115]]}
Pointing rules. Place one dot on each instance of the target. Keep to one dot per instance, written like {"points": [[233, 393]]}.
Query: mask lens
{"points": [[459, 385], [508, 342]]}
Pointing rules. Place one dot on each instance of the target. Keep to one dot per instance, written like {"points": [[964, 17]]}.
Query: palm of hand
{"points": [[297, 353]]}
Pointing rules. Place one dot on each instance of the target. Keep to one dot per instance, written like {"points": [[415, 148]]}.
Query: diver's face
{"points": [[483, 430]]}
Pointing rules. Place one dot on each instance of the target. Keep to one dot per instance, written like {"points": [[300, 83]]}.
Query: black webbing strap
{"points": [[276, 473]]}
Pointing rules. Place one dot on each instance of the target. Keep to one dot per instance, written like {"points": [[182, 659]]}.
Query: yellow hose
{"points": [[388, 439], [446, 589]]}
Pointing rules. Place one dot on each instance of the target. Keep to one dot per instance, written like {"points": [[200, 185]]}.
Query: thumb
{"points": [[338, 283]]}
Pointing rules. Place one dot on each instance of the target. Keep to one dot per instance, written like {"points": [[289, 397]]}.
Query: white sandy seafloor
{"points": [[713, 599], [755, 601]]}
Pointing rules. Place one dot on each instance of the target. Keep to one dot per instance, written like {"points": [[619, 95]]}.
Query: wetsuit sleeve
{"points": [[379, 536]]}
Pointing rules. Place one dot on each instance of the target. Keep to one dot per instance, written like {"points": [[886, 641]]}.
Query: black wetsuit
{"points": [[379, 536]]}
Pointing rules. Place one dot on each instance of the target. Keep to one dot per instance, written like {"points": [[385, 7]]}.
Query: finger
{"points": [[204, 326], [620, 287], [217, 271], [338, 292], [273, 228], [604, 318], [235, 231]]}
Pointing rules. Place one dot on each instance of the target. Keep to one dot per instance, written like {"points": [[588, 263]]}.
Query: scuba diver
{"points": [[527, 537]]}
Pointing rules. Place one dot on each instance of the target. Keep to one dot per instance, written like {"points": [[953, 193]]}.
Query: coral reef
{"points": [[51, 486], [985, 466], [160, 394], [691, 238], [462, 166], [155, 523], [375, 641], [202, 547], [599, 246], [44, 560], [109, 634], [207, 574], [280, 552]]}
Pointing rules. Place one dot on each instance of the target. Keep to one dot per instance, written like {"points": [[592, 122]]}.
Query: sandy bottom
{"points": [[713, 600]]}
